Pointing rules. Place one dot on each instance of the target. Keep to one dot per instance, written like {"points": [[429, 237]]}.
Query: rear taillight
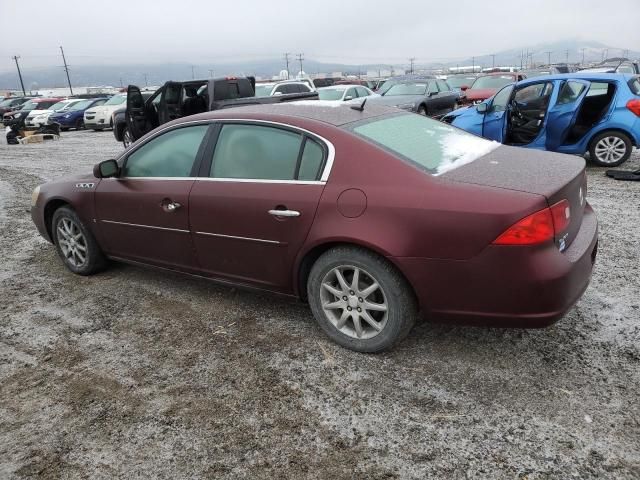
{"points": [[538, 227], [634, 106]]}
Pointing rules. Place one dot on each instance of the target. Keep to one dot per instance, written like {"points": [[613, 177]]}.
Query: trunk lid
{"points": [[553, 175]]}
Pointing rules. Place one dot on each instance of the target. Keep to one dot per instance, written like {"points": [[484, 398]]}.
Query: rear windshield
{"points": [[460, 81], [493, 81], [263, 90], [330, 93], [634, 85], [426, 143]]}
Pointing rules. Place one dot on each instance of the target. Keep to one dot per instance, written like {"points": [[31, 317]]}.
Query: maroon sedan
{"points": [[485, 86], [371, 216]]}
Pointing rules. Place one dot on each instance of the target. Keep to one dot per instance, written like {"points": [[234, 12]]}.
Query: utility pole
{"points": [[411, 61], [286, 60], [493, 60], [66, 69], [473, 64], [567, 57], [300, 59], [193, 72], [583, 49], [146, 84], [210, 73], [548, 57], [16, 57]]}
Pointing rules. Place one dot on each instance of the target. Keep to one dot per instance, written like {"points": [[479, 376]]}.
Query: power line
{"points": [[16, 57], [66, 69]]}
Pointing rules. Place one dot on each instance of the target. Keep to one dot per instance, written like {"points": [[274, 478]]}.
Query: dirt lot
{"points": [[138, 374]]}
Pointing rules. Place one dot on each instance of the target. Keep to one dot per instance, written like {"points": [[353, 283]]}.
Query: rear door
{"points": [[494, 124], [562, 116], [136, 115], [253, 206], [143, 215], [169, 107]]}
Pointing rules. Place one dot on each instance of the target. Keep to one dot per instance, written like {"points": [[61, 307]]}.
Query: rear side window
{"points": [[256, 152], [570, 92], [634, 85], [426, 143], [171, 154]]}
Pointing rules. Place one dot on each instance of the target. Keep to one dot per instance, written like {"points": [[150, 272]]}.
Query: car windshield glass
{"points": [[7, 103], [30, 105], [263, 90], [59, 105], [80, 105], [493, 81], [457, 82], [407, 89], [116, 100], [330, 93], [426, 143]]}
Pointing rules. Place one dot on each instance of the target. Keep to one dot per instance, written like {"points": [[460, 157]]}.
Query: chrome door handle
{"points": [[284, 213], [173, 206]]}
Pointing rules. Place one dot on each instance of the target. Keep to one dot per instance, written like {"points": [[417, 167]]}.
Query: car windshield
{"points": [[460, 81], [30, 105], [116, 100], [7, 103], [493, 81], [263, 90], [59, 106], [426, 143], [407, 89], [80, 105], [331, 93]]}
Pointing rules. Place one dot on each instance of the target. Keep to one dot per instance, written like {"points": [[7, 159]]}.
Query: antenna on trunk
{"points": [[360, 107]]}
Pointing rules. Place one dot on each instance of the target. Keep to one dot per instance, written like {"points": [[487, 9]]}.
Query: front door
{"points": [[562, 116], [494, 123], [143, 214], [136, 114], [252, 211]]}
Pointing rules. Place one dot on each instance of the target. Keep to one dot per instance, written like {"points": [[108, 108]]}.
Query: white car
{"points": [[37, 118], [99, 118], [281, 88], [344, 93]]}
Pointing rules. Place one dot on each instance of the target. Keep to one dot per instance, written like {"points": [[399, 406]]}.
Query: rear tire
{"points": [[610, 149], [126, 137], [75, 244], [80, 124], [380, 308]]}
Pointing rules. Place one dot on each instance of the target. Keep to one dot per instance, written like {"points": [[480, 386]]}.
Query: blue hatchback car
{"points": [[74, 117], [571, 113]]}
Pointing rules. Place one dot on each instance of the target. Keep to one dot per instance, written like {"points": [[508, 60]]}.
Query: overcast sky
{"points": [[351, 31]]}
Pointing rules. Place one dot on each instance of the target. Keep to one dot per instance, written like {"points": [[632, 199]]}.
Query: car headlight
{"points": [[407, 106], [34, 196]]}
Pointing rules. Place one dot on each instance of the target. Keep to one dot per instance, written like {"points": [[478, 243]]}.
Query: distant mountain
{"points": [[116, 75]]}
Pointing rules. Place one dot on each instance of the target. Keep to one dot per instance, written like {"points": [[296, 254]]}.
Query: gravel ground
{"points": [[137, 374]]}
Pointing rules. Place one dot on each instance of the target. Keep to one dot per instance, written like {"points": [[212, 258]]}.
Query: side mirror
{"points": [[431, 94], [482, 107], [464, 87], [277, 94], [106, 169], [347, 98]]}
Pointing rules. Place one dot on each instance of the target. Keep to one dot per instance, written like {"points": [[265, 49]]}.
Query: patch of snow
{"points": [[460, 149]]}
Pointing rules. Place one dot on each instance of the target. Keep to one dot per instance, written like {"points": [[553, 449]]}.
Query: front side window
{"points": [[570, 92], [426, 143], [501, 99], [256, 152], [362, 92], [443, 86], [533, 92], [171, 154]]}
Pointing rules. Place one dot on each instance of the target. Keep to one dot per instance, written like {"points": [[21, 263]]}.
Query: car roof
{"points": [[581, 76], [336, 115], [338, 86], [48, 99]]}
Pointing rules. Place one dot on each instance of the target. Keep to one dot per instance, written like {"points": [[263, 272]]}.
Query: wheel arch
{"points": [[49, 209], [309, 257], [627, 133]]}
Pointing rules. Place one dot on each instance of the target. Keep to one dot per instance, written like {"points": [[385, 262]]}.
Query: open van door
{"points": [[170, 107], [136, 114], [562, 116]]}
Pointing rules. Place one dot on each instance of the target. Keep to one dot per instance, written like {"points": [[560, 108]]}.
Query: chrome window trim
{"points": [[331, 151], [233, 237], [145, 226]]}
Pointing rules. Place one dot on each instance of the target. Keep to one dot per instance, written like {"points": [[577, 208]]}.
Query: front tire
{"points": [[422, 110], [126, 137], [75, 244], [360, 300], [610, 149]]}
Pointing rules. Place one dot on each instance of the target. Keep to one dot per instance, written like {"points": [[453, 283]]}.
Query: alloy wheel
{"points": [[126, 138], [72, 242], [610, 149], [354, 302]]}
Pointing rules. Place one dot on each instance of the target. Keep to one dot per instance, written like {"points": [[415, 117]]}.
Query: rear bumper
{"points": [[507, 286]]}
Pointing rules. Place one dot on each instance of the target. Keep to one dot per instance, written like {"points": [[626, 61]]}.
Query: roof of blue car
{"points": [[622, 77]]}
